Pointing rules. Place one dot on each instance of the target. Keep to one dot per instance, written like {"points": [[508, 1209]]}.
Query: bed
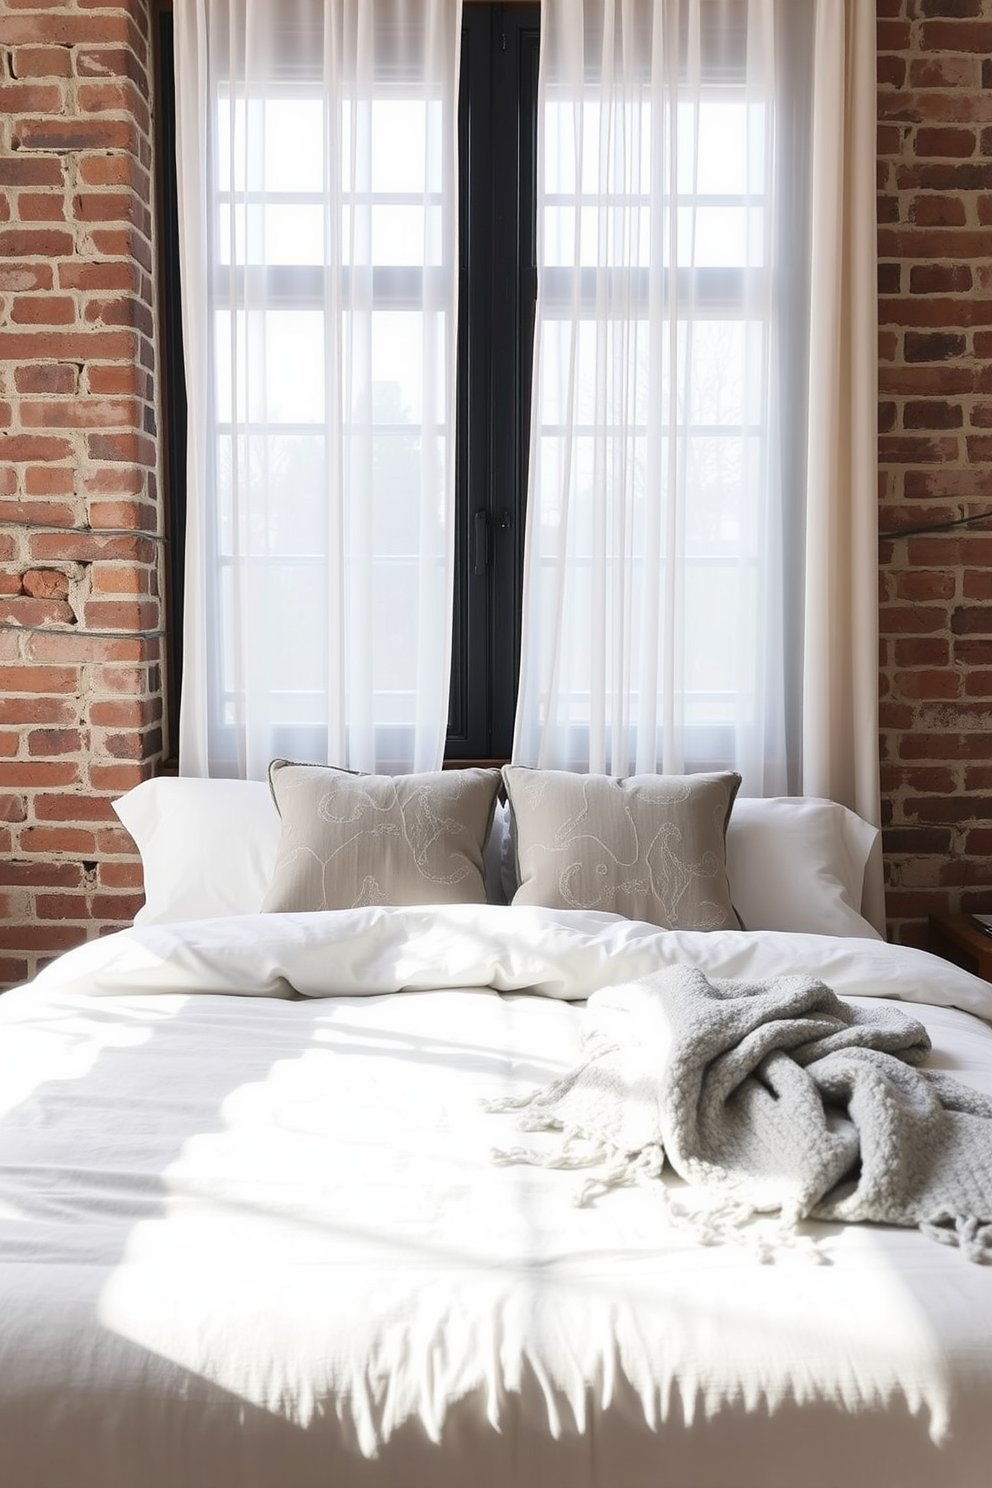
{"points": [[269, 1215]]}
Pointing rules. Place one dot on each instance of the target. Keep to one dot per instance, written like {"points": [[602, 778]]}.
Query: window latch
{"points": [[481, 554]]}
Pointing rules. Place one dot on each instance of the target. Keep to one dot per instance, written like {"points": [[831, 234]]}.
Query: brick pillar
{"points": [[935, 373], [81, 617]]}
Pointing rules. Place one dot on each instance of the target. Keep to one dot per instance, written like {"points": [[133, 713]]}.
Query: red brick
{"points": [[937, 211], [72, 806], [892, 35], [43, 774], [933, 143], [44, 743], [23, 447], [977, 584], [909, 449], [931, 413], [21, 609], [39, 513], [122, 579], [25, 276], [77, 646], [944, 176], [37, 206], [79, 841], [45, 583], [62, 907], [928, 683], [956, 36], [122, 615], [80, 346], [945, 71], [131, 449], [16, 170], [54, 135], [939, 279], [913, 619], [121, 875], [114, 840], [965, 310], [934, 346], [34, 61], [12, 807], [117, 907], [125, 311], [48, 937], [890, 71], [921, 585], [934, 779], [137, 515], [51, 480], [36, 873], [925, 485], [28, 242], [85, 546], [47, 377], [21, 709], [118, 778], [97, 277], [80, 413], [970, 652]]}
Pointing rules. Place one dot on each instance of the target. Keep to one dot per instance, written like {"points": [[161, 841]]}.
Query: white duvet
{"points": [[251, 1232]]}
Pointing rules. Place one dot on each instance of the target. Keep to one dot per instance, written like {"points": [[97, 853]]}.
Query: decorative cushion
{"points": [[650, 847], [349, 840]]}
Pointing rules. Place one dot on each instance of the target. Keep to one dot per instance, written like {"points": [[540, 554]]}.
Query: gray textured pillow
{"points": [[350, 839], [650, 847]]}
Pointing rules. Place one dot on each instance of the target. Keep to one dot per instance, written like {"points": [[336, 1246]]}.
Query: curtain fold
{"points": [[840, 703], [700, 569], [317, 176]]}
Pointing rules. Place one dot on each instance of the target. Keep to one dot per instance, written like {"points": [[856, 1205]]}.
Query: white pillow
{"points": [[804, 864], [208, 847]]}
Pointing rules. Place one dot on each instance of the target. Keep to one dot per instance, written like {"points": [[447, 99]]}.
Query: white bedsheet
{"points": [[259, 1239]]}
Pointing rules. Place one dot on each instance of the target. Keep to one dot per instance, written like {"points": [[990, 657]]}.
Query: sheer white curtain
{"points": [[318, 211], [700, 567]]}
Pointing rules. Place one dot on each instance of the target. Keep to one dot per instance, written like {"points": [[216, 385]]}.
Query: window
{"points": [[276, 155], [665, 514], [654, 428]]}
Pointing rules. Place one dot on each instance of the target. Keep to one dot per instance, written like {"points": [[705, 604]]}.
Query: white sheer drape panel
{"points": [[318, 214], [664, 602], [840, 704]]}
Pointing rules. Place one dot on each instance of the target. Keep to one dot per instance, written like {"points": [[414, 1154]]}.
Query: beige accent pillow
{"points": [[650, 847], [348, 839]]}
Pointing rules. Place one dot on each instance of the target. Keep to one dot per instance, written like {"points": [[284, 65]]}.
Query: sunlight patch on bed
{"points": [[341, 1234], [63, 1044]]}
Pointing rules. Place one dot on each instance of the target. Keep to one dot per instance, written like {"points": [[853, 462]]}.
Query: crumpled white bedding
{"points": [[259, 1239]]}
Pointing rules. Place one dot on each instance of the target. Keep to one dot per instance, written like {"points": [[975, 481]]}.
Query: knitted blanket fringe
{"points": [[775, 1102]]}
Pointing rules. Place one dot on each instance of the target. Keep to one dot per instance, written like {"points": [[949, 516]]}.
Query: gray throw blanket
{"points": [[777, 1097]]}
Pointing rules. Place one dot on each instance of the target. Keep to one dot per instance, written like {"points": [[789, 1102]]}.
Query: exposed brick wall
{"points": [[80, 548], [935, 453], [80, 614]]}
